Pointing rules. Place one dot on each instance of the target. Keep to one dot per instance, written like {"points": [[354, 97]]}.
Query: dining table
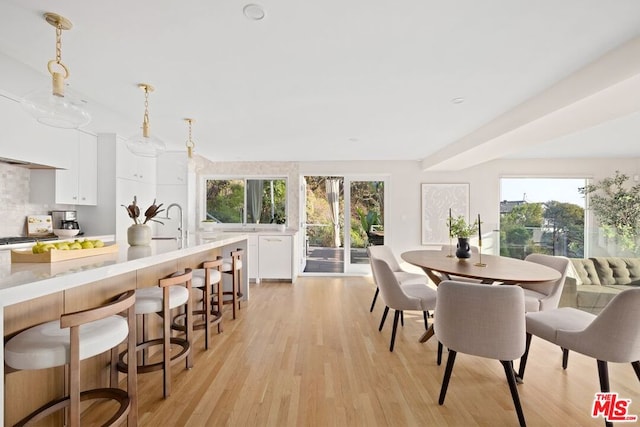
{"points": [[440, 265]]}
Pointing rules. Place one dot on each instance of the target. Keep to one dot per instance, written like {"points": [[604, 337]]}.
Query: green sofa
{"points": [[595, 281]]}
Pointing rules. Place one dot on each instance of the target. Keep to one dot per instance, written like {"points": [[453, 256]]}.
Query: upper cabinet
{"points": [[26, 140], [132, 167], [172, 168], [74, 186]]}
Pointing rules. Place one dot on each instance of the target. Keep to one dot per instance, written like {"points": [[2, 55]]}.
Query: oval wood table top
{"points": [[496, 268], [439, 266]]}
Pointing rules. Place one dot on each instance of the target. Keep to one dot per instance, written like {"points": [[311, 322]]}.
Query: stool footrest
{"points": [[144, 368], [54, 406], [216, 317]]}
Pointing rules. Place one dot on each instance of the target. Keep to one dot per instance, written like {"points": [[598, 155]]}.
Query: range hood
{"points": [[24, 164]]}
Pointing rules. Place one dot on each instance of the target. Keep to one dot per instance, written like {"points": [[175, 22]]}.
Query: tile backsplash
{"points": [[14, 201]]}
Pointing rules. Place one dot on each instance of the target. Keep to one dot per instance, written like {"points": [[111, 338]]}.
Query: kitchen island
{"points": [[32, 293]]}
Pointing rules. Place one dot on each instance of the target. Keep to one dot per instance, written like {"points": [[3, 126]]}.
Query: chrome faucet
{"points": [[181, 226]]}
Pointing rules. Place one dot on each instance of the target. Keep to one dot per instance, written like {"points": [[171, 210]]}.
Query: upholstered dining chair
{"points": [[611, 336], [545, 296], [418, 297], [404, 277], [463, 325]]}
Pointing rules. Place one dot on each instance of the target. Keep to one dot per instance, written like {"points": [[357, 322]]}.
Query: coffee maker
{"points": [[67, 220]]}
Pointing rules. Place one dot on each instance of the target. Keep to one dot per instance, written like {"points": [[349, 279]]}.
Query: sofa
{"points": [[595, 281]]}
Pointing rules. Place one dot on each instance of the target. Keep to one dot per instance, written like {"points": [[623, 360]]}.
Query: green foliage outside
{"points": [[225, 200], [367, 205], [617, 207], [552, 228]]}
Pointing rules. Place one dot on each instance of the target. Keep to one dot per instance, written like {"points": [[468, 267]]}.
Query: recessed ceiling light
{"points": [[253, 12], [457, 100]]}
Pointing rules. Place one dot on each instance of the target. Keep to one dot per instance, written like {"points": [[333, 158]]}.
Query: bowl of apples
{"points": [[65, 233]]}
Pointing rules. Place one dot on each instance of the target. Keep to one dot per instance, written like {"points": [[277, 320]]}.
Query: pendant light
{"points": [[190, 144], [52, 106], [143, 144]]}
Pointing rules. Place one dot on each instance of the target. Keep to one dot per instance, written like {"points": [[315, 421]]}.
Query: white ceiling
{"points": [[351, 80]]}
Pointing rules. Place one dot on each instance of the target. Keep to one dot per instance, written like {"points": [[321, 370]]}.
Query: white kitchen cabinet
{"points": [[275, 256], [74, 186], [171, 168], [132, 167], [26, 140], [252, 249]]}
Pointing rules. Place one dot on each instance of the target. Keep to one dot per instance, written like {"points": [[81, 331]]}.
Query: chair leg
{"points": [[395, 328], [402, 318], [636, 368], [375, 297], [565, 358], [425, 316], [440, 348], [384, 317], [603, 374], [511, 379], [523, 359], [447, 375]]}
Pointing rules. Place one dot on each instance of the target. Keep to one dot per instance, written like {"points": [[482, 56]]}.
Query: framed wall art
{"points": [[437, 199]]}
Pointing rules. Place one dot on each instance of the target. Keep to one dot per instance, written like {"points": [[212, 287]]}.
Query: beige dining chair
{"points": [[545, 295], [463, 326], [404, 277], [611, 336], [418, 297]]}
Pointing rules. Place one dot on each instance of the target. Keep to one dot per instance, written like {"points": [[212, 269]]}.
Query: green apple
{"points": [[62, 246], [48, 247], [97, 243], [75, 245], [87, 244]]}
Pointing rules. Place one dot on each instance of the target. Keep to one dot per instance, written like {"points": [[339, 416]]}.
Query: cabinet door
{"points": [[253, 255], [87, 170], [274, 257], [172, 168], [126, 163], [66, 182]]}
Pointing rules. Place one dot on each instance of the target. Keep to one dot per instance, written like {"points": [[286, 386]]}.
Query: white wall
{"points": [[402, 220]]}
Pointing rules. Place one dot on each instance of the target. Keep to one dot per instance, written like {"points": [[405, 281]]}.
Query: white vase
{"points": [[139, 235]]}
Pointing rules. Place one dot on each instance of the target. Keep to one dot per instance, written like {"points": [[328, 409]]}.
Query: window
{"points": [[246, 200], [542, 215]]}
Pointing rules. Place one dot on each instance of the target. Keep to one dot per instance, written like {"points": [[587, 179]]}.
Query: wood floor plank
{"points": [[310, 354]]}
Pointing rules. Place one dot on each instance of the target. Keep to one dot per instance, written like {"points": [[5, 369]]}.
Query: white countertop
{"points": [[24, 281]]}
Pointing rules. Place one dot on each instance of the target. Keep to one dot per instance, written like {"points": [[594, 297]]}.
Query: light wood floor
{"points": [[310, 354]]}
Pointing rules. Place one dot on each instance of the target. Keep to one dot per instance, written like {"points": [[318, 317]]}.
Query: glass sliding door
{"points": [[344, 215], [323, 225], [366, 207]]}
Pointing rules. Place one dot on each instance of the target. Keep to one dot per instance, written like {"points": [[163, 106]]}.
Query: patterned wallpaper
{"points": [[14, 201]]}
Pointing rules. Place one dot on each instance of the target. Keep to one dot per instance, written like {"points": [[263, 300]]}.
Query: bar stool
{"points": [[233, 265], [171, 292], [74, 337], [209, 273]]}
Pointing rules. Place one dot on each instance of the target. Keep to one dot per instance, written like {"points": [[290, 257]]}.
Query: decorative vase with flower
{"points": [[458, 227], [139, 234]]}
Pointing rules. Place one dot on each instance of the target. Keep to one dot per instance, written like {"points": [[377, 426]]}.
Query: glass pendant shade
{"points": [[143, 144], [57, 106], [65, 112]]}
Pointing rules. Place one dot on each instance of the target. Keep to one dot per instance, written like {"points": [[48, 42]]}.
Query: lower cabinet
{"points": [[271, 257]]}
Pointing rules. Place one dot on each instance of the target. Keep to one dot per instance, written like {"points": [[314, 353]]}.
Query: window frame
{"points": [[244, 178]]}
